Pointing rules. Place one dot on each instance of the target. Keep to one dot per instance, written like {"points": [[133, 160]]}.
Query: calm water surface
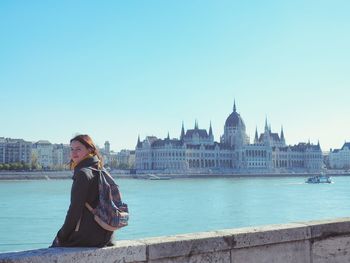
{"points": [[31, 212]]}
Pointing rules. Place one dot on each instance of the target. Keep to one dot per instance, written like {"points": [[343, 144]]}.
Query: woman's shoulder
{"points": [[85, 172]]}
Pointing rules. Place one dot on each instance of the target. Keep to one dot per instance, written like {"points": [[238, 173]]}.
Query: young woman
{"points": [[80, 228]]}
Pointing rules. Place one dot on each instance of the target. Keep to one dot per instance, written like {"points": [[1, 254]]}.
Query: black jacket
{"points": [[84, 189]]}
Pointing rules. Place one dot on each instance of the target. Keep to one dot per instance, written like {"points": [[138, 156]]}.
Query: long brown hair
{"points": [[90, 145]]}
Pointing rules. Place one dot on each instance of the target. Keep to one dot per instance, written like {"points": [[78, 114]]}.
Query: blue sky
{"points": [[119, 69]]}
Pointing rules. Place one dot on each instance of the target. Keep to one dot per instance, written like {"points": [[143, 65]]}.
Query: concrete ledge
{"points": [[315, 241], [335, 249], [292, 252], [327, 228], [270, 234], [124, 251]]}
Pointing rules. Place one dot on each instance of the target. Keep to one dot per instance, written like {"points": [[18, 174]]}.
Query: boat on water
{"points": [[155, 177], [319, 179]]}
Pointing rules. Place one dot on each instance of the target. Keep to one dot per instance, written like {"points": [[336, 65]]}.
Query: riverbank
{"points": [[250, 175], [56, 175], [45, 175], [35, 175]]}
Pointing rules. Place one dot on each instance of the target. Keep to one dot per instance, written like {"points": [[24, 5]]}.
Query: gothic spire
{"points": [[234, 105], [182, 131], [256, 135], [210, 130], [138, 142], [282, 133], [168, 137], [196, 125]]}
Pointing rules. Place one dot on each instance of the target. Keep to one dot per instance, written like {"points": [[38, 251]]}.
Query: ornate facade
{"points": [[340, 158], [196, 151]]}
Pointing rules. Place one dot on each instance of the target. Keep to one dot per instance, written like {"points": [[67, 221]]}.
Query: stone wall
{"points": [[305, 242]]}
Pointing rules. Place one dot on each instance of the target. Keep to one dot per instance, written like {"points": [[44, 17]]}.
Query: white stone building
{"points": [[2, 149], [340, 158], [126, 157], [60, 156], [196, 151], [44, 152], [15, 151]]}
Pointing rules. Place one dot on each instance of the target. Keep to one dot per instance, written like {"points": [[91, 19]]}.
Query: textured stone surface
{"points": [[219, 257], [293, 252], [335, 250], [184, 245], [124, 251], [329, 228], [256, 236], [306, 242]]}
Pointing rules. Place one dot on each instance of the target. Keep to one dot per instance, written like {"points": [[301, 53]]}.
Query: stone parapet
{"points": [[304, 242]]}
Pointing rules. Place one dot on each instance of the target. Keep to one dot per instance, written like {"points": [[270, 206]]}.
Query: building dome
{"points": [[234, 120]]}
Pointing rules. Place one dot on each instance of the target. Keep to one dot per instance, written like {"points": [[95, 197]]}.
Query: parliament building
{"points": [[195, 151]]}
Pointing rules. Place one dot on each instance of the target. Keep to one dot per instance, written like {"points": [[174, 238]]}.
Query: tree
{"points": [[26, 166], [16, 166], [12, 166], [34, 162]]}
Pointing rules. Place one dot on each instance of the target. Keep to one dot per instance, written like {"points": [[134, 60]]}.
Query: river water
{"points": [[31, 212]]}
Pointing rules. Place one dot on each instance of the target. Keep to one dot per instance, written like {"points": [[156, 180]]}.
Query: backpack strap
{"points": [[87, 205], [103, 170], [78, 225]]}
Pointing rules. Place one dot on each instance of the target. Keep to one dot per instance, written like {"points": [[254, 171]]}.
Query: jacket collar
{"points": [[90, 161]]}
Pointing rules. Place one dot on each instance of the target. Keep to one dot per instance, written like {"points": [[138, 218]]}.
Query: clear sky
{"points": [[119, 69]]}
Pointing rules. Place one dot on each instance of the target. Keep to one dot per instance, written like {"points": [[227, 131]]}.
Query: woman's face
{"points": [[78, 151]]}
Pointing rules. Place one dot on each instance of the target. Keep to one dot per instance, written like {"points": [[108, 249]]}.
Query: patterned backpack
{"points": [[110, 213]]}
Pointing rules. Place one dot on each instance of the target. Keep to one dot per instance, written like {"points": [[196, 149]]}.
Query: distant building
{"points": [[15, 151], [340, 158], [106, 154], [60, 156], [126, 158], [326, 159], [2, 149], [132, 159], [107, 148], [196, 151], [44, 152]]}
